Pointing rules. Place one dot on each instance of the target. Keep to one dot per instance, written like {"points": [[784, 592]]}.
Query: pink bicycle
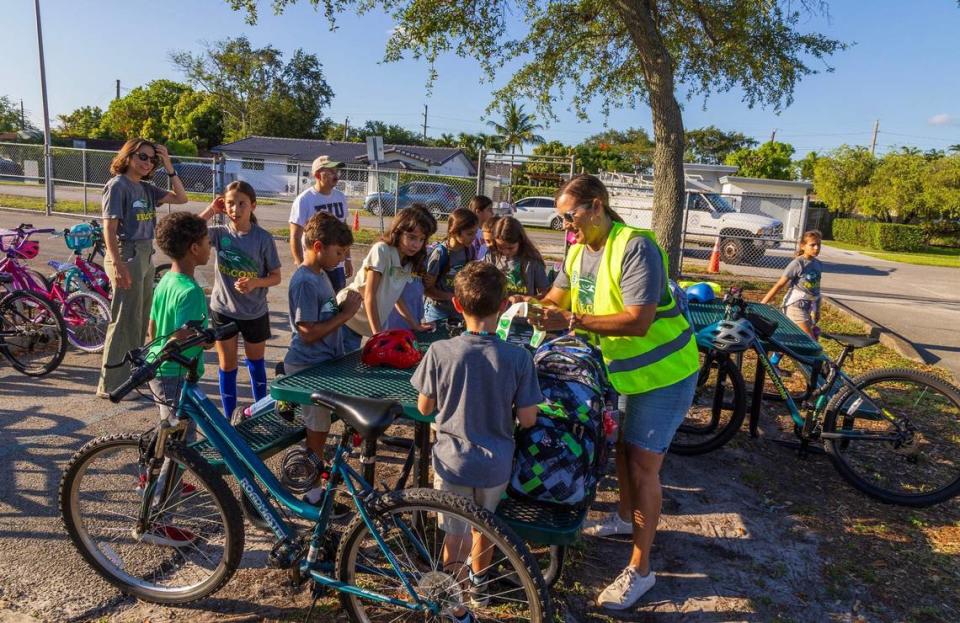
{"points": [[83, 273], [86, 314]]}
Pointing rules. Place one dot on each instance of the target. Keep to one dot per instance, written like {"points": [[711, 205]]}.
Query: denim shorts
{"points": [[650, 420]]}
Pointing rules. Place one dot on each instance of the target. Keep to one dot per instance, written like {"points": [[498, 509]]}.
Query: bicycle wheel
{"points": [[509, 588], [719, 406], [33, 333], [920, 470], [795, 376], [87, 316], [193, 538]]}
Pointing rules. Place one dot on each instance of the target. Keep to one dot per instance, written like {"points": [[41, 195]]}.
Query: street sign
{"points": [[374, 149]]}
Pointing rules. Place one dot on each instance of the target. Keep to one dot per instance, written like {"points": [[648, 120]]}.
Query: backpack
{"points": [[559, 459], [445, 257]]}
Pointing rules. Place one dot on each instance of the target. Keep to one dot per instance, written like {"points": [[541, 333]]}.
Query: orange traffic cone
{"points": [[714, 265], [356, 221]]}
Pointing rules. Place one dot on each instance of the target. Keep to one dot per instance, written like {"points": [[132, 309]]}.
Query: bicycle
{"points": [[894, 434], [86, 314], [159, 522], [31, 332]]}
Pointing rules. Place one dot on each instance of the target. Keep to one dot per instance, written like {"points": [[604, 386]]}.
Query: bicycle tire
{"points": [[40, 329], [105, 558], [87, 316], [714, 418], [40, 279], [796, 378], [909, 467], [426, 505]]}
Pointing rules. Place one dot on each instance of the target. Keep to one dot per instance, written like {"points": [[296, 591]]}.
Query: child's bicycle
{"points": [[894, 434], [86, 314], [83, 273], [154, 518], [32, 332]]}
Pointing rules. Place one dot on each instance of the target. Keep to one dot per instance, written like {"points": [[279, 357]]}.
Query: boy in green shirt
{"points": [[177, 299]]}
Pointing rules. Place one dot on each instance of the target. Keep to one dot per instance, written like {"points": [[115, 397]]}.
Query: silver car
{"points": [[538, 211]]}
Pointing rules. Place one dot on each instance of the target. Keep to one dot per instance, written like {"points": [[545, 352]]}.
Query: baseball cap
{"points": [[324, 162]]}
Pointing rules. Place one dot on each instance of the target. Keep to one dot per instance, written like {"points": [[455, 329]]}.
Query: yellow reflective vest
{"points": [[667, 354]]}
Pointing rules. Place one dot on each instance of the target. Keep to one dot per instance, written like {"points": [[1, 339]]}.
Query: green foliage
{"points": [[616, 150], [518, 192], [83, 122], [770, 161], [256, 92], [196, 118], [10, 117], [711, 145], [881, 236], [182, 147], [942, 186], [142, 111], [896, 189], [392, 134], [805, 167], [517, 129], [840, 177]]}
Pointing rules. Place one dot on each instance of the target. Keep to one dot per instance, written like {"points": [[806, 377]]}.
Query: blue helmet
{"points": [[79, 237], [700, 293]]}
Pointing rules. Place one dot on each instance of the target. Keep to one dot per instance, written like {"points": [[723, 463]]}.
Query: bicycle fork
{"points": [[158, 479]]}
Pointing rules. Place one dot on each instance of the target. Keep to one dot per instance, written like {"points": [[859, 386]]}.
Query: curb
{"points": [[888, 338]]}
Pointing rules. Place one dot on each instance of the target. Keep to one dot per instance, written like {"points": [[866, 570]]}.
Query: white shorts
{"points": [[487, 497], [315, 417]]}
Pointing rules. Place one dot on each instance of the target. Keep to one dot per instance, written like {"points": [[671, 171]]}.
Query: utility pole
{"points": [[23, 116], [773, 135], [118, 90], [424, 122], [346, 129], [48, 159], [873, 141]]}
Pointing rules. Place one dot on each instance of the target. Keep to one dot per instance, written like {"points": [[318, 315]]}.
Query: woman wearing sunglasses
{"points": [[614, 291], [129, 216]]}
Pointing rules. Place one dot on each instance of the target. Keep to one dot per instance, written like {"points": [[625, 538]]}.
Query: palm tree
{"points": [[518, 128]]}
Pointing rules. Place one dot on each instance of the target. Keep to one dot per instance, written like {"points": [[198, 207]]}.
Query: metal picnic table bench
{"points": [[787, 333]]}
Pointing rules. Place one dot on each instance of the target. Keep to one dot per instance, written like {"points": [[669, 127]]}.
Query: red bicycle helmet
{"points": [[27, 249], [396, 349]]}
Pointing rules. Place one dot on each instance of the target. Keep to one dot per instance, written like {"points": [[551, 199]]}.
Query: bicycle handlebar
{"points": [[144, 372]]}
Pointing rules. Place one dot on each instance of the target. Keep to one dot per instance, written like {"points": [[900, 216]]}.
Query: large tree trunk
{"points": [[668, 181]]}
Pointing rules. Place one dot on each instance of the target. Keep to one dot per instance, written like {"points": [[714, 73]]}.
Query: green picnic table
{"points": [[787, 333]]}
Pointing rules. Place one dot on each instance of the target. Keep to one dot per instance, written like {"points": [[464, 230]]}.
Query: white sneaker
{"points": [[626, 590], [608, 526]]}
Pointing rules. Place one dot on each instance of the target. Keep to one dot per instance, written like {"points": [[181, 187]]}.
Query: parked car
{"points": [[441, 199], [10, 170], [196, 177], [538, 211]]}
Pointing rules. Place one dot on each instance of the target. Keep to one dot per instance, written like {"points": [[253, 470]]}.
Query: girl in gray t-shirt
{"points": [[246, 265], [801, 304], [517, 258]]}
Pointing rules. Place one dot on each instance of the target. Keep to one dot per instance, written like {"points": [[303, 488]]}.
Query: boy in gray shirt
{"points": [[473, 453]]}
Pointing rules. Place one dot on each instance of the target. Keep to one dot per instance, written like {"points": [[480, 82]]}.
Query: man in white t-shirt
{"points": [[322, 196]]}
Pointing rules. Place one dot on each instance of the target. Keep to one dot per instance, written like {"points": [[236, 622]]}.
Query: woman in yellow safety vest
{"points": [[614, 288]]}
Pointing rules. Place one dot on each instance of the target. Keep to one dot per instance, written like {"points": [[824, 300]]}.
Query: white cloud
{"points": [[941, 119]]}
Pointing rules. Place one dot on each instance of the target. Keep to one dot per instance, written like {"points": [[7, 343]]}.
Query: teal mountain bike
{"points": [[156, 520], [894, 434]]}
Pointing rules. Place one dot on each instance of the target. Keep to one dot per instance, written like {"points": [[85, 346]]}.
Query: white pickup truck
{"points": [[743, 237]]}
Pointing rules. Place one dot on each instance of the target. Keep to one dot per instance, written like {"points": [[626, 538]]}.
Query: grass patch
{"points": [[40, 205], [931, 256], [362, 236]]}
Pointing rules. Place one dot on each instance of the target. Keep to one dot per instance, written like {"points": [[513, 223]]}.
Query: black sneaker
{"points": [[477, 591]]}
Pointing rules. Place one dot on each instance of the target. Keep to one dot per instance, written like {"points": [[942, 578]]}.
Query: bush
{"points": [[880, 236], [518, 192]]}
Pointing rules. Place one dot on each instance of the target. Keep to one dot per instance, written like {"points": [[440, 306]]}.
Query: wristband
{"points": [[174, 174]]}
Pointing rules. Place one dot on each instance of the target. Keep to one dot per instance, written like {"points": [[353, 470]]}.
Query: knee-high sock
{"points": [[228, 391], [258, 377]]}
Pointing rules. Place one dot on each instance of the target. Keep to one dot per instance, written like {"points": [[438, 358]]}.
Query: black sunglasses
{"points": [[145, 158]]}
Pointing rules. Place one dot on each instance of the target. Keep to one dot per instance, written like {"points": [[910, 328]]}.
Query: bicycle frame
{"points": [[823, 392], [248, 468]]}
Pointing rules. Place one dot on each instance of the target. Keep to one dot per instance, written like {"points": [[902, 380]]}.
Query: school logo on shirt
{"points": [[516, 284], [144, 209], [586, 286], [810, 281], [235, 263], [330, 306], [336, 209]]}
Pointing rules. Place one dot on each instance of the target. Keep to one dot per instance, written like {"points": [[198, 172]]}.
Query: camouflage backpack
{"points": [[558, 460]]}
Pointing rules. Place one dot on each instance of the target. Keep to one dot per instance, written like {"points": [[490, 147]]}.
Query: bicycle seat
{"points": [[853, 341], [368, 416]]}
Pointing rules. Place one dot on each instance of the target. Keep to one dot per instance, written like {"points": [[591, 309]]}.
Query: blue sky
{"points": [[902, 70]]}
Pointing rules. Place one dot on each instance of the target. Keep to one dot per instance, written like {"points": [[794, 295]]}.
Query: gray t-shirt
{"points": [[804, 278], [253, 255], [523, 277], [134, 204], [476, 380], [642, 281], [312, 299], [455, 261]]}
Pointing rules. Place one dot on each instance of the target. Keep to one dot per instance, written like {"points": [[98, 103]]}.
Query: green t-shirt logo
{"points": [[586, 286], [234, 263]]}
